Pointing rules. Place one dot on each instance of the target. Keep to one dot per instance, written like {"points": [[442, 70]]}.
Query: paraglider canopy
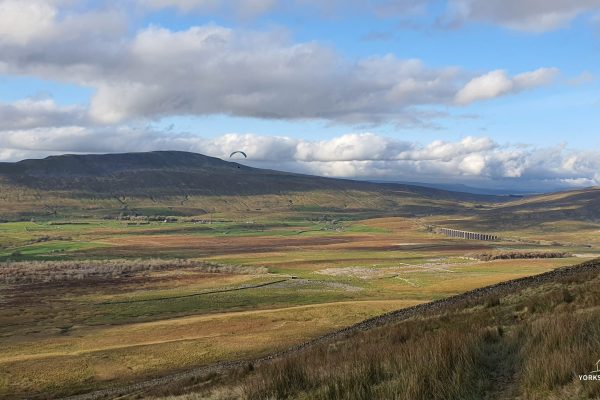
{"points": [[238, 152]]}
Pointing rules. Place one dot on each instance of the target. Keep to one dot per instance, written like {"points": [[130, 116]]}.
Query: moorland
{"points": [[121, 268]]}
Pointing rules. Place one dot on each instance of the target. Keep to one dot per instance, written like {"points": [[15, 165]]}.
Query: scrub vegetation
{"points": [[532, 343]]}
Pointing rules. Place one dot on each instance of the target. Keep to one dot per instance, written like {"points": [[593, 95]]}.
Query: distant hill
{"points": [[459, 187], [77, 165], [171, 172], [582, 204], [57, 169], [183, 183]]}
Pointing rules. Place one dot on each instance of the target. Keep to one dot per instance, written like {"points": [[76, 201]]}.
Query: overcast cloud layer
{"points": [[139, 76], [211, 69]]}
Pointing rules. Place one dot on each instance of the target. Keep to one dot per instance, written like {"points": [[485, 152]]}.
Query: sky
{"points": [[489, 93]]}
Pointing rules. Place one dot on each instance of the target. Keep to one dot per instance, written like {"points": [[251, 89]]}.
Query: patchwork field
{"points": [[86, 303]]}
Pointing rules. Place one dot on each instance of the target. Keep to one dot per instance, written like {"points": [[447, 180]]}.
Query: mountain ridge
{"points": [[101, 164], [161, 171], [187, 183]]}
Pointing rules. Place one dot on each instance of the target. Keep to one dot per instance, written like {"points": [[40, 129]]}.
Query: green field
{"points": [[89, 302]]}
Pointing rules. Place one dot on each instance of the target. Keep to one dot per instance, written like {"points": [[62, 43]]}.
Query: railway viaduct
{"points": [[467, 235]]}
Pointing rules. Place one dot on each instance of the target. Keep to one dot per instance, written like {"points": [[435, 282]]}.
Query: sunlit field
{"points": [[161, 297]]}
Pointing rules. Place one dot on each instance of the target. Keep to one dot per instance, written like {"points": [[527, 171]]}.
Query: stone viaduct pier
{"points": [[466, 235]]}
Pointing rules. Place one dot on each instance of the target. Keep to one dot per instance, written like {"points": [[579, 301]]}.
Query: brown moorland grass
{"points": [[91, 356], [66, 321], [533, 343], [221, 245]]}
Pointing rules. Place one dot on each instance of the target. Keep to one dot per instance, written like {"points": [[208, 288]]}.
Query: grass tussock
{"points": [[26, 272], [380, 366], [556, 352], [444, 369], [532, 344]]}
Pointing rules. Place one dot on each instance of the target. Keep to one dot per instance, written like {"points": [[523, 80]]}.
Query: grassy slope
{"points": [[530, 343], [175, 173], [187, 184], [580, 205], [179, 183]]}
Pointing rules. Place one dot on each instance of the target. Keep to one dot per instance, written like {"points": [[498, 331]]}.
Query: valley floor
{"points": [[530, 338], [163, 297]]}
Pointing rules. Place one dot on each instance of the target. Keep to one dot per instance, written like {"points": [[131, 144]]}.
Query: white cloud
{"points": [[446, 151], [488, 86], [498, 83], [35, 113], [243, 8], [473, 164], [350, 147], [210, 69], [526, 15], [199, 72], [585, 77], [181, 5], [250, 8], [539, 77], [23, 21]]}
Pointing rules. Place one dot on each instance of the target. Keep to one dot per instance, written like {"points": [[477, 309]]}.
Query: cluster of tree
{"points": [[515, 255]]}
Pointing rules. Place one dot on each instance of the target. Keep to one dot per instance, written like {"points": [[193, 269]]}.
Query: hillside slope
{"points": [[191, 184], [529, 338], [575, 205], [170, 172], [182, 183]]}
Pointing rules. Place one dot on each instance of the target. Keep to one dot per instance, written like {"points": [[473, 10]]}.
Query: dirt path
{"points": [[500, 364]]}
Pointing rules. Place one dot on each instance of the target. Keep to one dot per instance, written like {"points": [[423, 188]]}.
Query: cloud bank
{"points": [[526, 15], [474, 160], [535, 16], [210, 69]]}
